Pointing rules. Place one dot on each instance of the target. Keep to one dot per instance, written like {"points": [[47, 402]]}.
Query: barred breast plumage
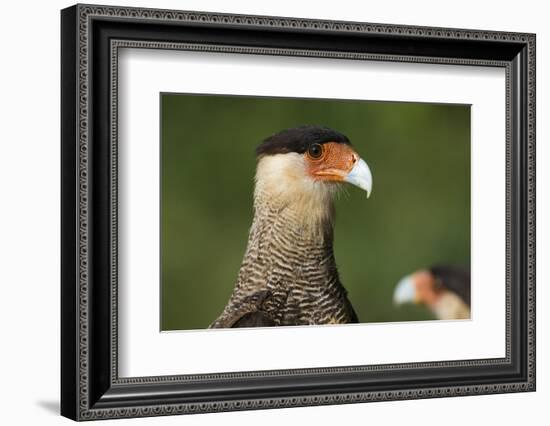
{"points": [[288, 274]]}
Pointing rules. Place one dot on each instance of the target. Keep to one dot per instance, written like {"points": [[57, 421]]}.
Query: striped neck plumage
{"points": [[298, 223]]}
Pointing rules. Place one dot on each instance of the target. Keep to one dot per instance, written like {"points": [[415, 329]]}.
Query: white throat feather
{"points": [[282, 183]]}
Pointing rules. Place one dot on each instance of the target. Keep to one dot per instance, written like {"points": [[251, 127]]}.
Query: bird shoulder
{"points": [[248, 312]]}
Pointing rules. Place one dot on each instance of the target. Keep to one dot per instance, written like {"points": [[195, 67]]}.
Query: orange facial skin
{"points": [[427, 288], [334, 162]]}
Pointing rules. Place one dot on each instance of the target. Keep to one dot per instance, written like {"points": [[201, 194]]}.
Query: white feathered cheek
{"points": [[283, 174]]}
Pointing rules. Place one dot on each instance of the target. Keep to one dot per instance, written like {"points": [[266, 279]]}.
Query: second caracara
{"points": [[288, 275], [444, 289]]}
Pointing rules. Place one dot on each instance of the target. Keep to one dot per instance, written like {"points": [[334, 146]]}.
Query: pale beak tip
{"points": [[404, 291], [361, 176]]}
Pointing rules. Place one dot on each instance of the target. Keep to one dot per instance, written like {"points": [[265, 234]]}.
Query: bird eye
{"points": [[315, 150]]}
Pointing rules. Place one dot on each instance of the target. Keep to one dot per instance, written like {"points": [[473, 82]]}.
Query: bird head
{"points": [[429, 286], [307, 164], [421, 287]]}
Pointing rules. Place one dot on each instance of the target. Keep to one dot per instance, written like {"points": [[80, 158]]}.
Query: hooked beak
{"points": [[405, 291], [360, 176]]}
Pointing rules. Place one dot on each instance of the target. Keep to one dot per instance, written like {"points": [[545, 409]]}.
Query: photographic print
{"points": [[298, 212], [348, 206]]}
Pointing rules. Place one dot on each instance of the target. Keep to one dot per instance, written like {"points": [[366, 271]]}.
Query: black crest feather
{"points": [[298, 139], [455, 279]]}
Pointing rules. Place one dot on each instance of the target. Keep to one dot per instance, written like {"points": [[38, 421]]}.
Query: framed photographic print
{"points": [[263, 212]]}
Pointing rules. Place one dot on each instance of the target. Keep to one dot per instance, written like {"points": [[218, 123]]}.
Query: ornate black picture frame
{"points": [[91, 36]]}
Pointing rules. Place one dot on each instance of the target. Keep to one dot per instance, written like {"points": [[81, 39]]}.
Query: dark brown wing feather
{"points": [[248, 313], [254, 319]]}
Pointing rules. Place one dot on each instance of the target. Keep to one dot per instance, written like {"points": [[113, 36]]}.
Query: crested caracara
{"points": [[288, 275], [444, 289]]}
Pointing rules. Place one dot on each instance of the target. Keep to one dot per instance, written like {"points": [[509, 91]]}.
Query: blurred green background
{"points": [[418, 214]]}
